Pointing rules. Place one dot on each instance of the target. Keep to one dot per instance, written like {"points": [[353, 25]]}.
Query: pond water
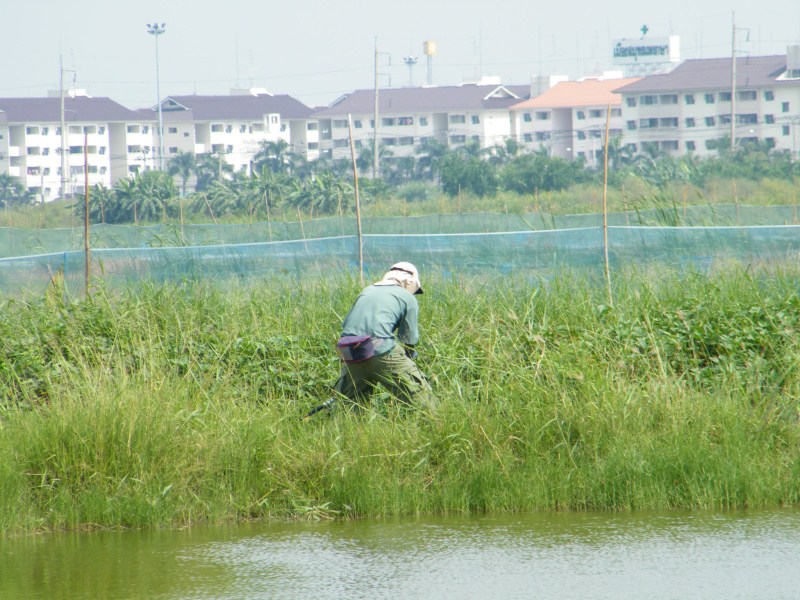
{"points": [[754, 554]]}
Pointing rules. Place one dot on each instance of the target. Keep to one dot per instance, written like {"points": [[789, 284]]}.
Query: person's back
{"points": [[379, 312], [370, 355]]}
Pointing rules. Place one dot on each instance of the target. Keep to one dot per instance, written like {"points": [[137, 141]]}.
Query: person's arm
{"points": [[408, 329]]}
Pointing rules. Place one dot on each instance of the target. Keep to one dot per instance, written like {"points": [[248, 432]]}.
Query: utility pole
{"points": [[375, 160], [64, 165], [156, 30], [375, 118], [733, 82]]}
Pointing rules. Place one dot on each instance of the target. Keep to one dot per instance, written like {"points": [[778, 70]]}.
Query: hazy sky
{"points": [[317, 50]]}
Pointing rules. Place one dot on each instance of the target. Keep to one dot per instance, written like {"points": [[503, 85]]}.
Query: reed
{"points": [[175, 405]]}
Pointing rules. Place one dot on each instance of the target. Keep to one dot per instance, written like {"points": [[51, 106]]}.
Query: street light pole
{"points": [[156, 30]]}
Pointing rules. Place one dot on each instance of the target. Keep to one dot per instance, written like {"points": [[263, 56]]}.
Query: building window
{"points": [[784, 107], [101, 130], [423, 121], [630, 102], [769, 119], [632, 148], [746, 95], [405, 141], [724, 96], [785, 130], [542, 136], [476, 120], [631, 125], [172, 130], [145, 129], [45, 151], [581, 135], [748, 119], [769, 95], [405, 120], [770, 142], [690, 121], [668, 99], [216, 128], [387, 122], [528, 137], [456, 119], [689, 98], [458, 139], [32, 130], [339, 143], [690, 146], [543, 115], [709, 98], [669, 145], [173, 149], [725, 119], [242, 129], [74, 129], [185, 134], [648, 100], [595, 113], [668, 122], [648, 123], [526, 117], [339, 124], [616, 112], [580, 115], [312, 126], [710, 121]]}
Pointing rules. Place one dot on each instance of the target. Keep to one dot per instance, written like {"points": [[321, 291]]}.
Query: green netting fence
{"points": [[24, 242], [533, 253]]}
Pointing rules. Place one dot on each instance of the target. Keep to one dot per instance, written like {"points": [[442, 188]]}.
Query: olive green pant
{"points": [[394, 371]]}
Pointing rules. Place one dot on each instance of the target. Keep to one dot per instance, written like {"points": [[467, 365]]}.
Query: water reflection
{"points": [[675, 555]]}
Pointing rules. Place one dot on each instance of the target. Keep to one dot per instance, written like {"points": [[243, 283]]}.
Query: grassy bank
{"points": [[170, 406]]}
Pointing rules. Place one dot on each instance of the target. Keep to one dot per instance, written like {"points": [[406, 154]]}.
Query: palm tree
{"points": [[210, 168], [182, 164], [272, 155]]}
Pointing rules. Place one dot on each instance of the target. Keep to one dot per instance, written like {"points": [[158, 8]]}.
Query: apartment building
{"points": [[690, 108], [407, 116], [31, 144], [234, 126], [568, 120]]}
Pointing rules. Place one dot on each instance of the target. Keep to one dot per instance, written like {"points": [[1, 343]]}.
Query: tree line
{"points": [[280, 180]]}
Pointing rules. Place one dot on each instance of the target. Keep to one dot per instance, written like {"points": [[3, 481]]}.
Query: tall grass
{"points": [[167, 406]]}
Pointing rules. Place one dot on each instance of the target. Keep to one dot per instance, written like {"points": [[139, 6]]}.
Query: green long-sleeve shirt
{"points": [[379, 311]]}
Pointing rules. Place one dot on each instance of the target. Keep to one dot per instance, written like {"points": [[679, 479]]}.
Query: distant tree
{"points": [[182, 165], [464, 172], [211, 168], [13, 192]]}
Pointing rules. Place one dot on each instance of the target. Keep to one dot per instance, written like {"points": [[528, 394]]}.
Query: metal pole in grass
{"points": [[86, 245], [358, 203], [605, 209]]}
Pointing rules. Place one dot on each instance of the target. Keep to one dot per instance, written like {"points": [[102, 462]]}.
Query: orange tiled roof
{"points": [[589, 92]]}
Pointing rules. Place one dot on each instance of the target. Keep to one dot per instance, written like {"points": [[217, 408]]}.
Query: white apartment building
{"points": [[407, 116], [689, 109], [568, 120], [31, 144], [234, 126]]}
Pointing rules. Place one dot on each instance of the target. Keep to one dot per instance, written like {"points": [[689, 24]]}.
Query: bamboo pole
{"points": [[605, 209], [358, 203]]}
